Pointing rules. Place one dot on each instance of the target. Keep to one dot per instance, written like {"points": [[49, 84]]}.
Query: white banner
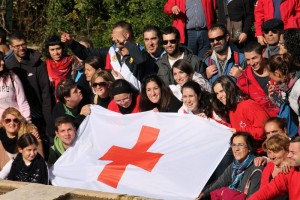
{"points": [[157, 155]]}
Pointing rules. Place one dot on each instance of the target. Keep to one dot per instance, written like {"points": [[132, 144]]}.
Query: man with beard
{"points": [[174, 52], [271, 32], [223, 60]]}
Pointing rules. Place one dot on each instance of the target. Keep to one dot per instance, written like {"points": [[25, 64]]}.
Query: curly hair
{"points": [[292, 43]]}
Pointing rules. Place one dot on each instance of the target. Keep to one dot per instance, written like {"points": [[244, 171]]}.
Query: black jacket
{"points": [[34, 77], [141, 65], [238, 10]]}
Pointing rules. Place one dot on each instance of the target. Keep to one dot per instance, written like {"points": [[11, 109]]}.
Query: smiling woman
{"points": [[155, 95], [125, 98], [239, 172], [244, 114], [13, 125]]}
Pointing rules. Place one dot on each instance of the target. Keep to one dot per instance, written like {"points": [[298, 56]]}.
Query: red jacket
{"points": [[113, 106], [289, 9], [281, 184], [249, 117], [209, 7], [265, 177], [249, 85]]}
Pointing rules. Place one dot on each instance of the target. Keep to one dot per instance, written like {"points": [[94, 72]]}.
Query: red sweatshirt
{"points": [[282, 183], [249, 117]]}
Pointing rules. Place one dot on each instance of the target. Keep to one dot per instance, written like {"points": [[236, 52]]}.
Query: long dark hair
{"points": [[165, 96], [5, 73], [204, 105], [233, 96]]}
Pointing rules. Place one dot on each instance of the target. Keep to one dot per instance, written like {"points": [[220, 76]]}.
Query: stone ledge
{"points": [[12, 190]]}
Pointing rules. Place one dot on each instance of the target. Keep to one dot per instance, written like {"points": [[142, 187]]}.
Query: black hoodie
{"points": [[34, 77]]}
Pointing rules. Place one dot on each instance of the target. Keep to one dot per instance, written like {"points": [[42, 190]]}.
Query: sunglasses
{"points": [[165, 42], [100, 84], [219, 38], [8, 120], [275, 31]]}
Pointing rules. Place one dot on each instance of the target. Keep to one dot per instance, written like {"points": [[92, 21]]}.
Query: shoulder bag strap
{"points": [[249, 180]]}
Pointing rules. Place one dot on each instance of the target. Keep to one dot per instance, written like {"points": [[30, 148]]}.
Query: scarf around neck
{"points": [[239, 170], [59, 70]]}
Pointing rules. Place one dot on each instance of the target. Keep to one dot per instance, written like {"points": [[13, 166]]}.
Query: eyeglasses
{"points": [[240, 145], [100, 84], [275, 31], [126, 100], [19, 46], [219, 38], [8, 120], [165, 42]]}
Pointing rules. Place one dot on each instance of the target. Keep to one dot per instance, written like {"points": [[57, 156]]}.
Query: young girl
{"points": [[28, 166]]}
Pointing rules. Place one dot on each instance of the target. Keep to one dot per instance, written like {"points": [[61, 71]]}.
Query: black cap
{"points": [[272, 24]]}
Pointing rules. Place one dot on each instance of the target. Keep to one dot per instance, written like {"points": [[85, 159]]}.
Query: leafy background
{"points": [[90, 18]]}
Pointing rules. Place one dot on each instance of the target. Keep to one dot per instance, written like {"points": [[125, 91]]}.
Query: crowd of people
{"points": [[248, 82]]}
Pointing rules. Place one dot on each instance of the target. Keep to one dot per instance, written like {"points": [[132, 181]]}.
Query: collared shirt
{"points": [[195, 14], [221, 67]]}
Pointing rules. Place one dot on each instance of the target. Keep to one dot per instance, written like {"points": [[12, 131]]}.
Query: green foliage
{"points": [[94, 18]]}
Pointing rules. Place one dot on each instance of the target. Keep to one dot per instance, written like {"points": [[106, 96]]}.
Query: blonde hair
{"points": [[13, 111], [106, 75], [277, 143]]}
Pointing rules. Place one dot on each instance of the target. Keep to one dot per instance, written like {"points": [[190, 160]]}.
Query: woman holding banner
{"points": [[242, 177], [157, 96], [125, 97], [244, 114]]}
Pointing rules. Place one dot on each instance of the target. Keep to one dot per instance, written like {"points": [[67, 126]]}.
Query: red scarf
{"points": [[58, 70]]}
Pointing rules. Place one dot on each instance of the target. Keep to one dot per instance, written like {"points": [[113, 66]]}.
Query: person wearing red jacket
{"points": [[125, 98], [284, 183], [286, 10], [255, 78], [193, 19], [245, 115]]}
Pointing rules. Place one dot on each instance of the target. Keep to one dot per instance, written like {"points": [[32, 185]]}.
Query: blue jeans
{"points": [[197, 41]]}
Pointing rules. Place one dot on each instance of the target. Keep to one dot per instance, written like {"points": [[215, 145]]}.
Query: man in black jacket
{"points": [[27, 64]]}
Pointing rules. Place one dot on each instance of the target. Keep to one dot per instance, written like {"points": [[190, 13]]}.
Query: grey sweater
{"points": [[225, 180]]}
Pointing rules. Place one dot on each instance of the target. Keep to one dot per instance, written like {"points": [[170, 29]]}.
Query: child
{"points": [[28, 166]]}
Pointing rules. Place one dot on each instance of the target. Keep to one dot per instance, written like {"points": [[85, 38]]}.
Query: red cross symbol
{"points": [[137, 155]]}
